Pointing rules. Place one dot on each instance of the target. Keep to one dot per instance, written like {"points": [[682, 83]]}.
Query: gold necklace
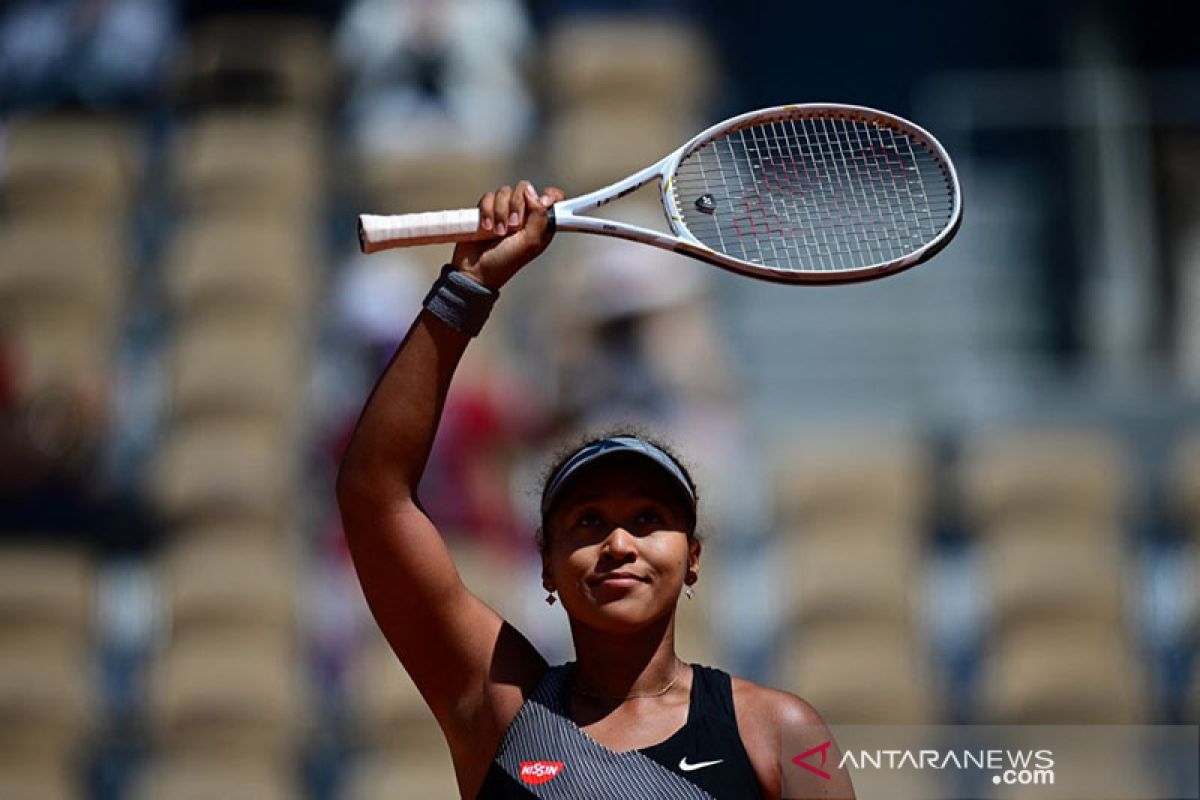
{"points": [[614, 698]]}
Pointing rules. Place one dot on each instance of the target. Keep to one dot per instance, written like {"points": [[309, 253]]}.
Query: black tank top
{"points": [[544, 754]]}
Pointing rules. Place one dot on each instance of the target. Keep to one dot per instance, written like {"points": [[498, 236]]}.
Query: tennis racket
{"points": [[814, 193]]}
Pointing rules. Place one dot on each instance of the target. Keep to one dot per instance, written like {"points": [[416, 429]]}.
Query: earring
{"points": [[550, 598], [690, 592]]}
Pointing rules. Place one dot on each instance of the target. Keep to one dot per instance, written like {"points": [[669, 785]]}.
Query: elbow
{"points": [[354, 485]]}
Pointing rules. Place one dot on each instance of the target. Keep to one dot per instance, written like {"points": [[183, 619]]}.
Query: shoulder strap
{"points": [[716, 692]]}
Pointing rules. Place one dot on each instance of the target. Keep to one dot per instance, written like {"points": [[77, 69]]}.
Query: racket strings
{"points": [[814, 194]]}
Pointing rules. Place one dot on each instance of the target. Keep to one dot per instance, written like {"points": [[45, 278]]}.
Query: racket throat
{"points": [[570, 215]]}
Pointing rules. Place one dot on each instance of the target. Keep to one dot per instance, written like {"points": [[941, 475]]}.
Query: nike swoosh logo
{"points": [[686, 767]]}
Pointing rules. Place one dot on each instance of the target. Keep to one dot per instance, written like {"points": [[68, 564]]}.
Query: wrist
{"points": [[474, 273], [490, 278], [461, 300]]}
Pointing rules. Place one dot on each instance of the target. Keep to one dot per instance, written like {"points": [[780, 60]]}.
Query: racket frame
{"points": [[568, 217]]}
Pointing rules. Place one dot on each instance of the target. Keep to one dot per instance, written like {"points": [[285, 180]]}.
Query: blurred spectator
{"points": [[487, 422], [50, 444], [96, 53], [616, 367], [639, 326], [51, 484], [368, 295], [436, 74]]}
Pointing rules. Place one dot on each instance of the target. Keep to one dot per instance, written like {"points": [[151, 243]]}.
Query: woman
{"points": [[628, 719]]}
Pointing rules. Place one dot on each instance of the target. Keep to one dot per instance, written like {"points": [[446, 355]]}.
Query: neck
{"points": [[614, 666]]}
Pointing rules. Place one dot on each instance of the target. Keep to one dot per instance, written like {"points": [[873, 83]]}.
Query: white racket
{"points": [[814, 193]]}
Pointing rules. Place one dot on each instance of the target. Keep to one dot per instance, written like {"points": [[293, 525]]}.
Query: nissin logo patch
{"points": [[535, 772]]}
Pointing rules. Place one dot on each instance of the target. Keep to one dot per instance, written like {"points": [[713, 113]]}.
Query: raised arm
{"points": [[467, 663]]}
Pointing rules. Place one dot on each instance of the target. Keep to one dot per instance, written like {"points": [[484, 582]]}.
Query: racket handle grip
{"points": [[376, 232]]}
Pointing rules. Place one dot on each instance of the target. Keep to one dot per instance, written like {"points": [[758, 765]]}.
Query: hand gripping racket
{"points": [[815, 193]]}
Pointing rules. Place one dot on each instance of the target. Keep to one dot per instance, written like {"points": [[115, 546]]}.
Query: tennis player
{"points": [[627, 719]]}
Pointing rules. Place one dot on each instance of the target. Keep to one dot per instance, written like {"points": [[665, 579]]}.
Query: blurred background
{"points": [[968, 493]]}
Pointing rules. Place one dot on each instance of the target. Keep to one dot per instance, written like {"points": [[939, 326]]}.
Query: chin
{"points": [[622, 616]]}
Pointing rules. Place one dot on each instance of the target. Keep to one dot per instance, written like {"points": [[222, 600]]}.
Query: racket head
{"points": [[812, 193]]}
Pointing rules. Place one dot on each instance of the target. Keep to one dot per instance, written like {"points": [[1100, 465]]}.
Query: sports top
{"points": [[544, 754]]}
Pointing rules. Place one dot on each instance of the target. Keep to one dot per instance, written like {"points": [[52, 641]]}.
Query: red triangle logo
{"points": [[823, 749]]}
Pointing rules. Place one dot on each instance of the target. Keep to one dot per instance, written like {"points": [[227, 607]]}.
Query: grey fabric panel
{"points": [[542, 731]]}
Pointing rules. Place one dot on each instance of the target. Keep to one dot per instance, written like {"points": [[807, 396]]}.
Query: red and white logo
{"points": [[535, 772], [802, 759]]}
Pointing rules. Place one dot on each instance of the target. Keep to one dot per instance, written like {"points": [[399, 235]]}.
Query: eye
{"points": [[649, 516], [589, 518]]}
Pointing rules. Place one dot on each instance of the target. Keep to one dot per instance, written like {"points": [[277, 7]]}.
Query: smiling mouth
{"points": [[617, 579]]}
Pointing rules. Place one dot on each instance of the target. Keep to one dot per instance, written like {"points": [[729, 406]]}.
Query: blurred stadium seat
{"points": [[398, 184], [852, 509], [234, 527], [261, 262], [662, 66], [1055, 575], [230, 692], [876, 476], [243, 366], [249, 161], [846, 575], [71, 165], [229, 583], [49, 705], [1075, 475], [1064, 673], [1049, 509], [59, 349], [385, 774], [862, 674], [225, 468], [230, 777], [25, 779], [47, 588], [62, 298], [620, 109], [592, 147], [384, 707], [81, 266]]}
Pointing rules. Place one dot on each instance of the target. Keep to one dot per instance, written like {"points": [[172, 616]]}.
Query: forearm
{"points": [[391, 443]]}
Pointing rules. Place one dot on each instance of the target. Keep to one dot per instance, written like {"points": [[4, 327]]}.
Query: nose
{"points": [[619, 543]]}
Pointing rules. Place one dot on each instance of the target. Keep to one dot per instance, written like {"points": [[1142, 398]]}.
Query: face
{"points": [[617, 546]]}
